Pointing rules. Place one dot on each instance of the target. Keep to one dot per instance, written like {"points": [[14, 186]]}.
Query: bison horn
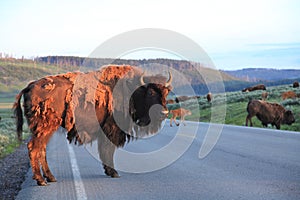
{"points": [[142, 79], [168, 83]]}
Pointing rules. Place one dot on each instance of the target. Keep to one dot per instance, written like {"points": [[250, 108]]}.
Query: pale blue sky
{"points": [[235, 34]]}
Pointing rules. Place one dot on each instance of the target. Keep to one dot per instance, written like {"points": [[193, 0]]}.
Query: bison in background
{"points": [[288, 95], [209, 97], [264, 96], [180, 112], [256, 87], [269, 113], [170, 101], [296, 84], [72, 100]]}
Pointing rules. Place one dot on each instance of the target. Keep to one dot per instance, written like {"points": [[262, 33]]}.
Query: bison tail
{"points": [[19, 115], [248, 105]]}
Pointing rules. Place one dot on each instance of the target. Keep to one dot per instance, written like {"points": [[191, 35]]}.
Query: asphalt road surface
{"points": [[246, 163]]}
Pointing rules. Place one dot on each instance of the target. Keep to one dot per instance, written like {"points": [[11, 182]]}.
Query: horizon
{"points": [[151, 58], [234, 34]]}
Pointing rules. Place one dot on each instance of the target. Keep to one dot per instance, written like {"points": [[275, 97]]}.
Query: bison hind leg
{"points": [[37, 154], [248, 118], [34, 155], [45, 168]]}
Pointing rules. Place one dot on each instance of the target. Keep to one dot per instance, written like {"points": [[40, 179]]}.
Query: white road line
{"points": [[79, 187]]}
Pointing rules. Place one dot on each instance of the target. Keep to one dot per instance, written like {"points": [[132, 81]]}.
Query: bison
{"points": [[256, 87], [170, 101], [269, 113], [209, 97], [296, 84], [288, 95], [113, 105], [180, 112], [264, 96]]}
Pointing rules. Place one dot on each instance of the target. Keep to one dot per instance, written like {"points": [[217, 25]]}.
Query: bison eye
{"points": [[150, 93]]}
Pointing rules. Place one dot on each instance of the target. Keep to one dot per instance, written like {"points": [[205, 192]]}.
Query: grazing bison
{"points": [[296, 84], [181, 99], [269, 113], [209, 97], [264, 96], [180, 112], [170, 101], [256, 87], [288, 95], [73, 100]]}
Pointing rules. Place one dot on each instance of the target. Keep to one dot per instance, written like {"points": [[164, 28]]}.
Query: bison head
{"points": [[288, 117], [148, 103]]}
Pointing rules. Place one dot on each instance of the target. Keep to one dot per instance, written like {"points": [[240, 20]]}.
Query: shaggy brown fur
{"points": [[209, 97], [86, 105], [180, 112], [288, 95], [269, 113]]}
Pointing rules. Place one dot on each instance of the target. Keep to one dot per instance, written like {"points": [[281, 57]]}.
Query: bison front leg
{"points": [[182, 120], [171, 122], [106, 153], [173, 119]]}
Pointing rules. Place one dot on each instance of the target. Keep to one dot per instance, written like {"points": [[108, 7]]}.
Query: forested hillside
{"points": [[16, 73]]}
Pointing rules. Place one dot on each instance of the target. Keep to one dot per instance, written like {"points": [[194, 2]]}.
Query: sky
{"points": [[235, 34]]}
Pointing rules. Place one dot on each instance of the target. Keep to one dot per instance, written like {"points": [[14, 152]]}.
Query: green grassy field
{"points": [[236, 104], [8, 140]]}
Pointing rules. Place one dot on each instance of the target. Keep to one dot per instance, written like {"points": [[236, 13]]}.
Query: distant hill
{"points": [[264, 74], [198, 79], [15, 73]]}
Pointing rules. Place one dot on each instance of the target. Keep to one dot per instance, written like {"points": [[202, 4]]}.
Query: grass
{"points": [[236, 103], [8, 137]]}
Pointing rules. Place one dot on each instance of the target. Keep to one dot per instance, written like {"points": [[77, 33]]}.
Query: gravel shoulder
{"points": [[13, 169]]}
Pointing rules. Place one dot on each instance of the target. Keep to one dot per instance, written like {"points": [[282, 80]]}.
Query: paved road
{"points": [[246, 163]]}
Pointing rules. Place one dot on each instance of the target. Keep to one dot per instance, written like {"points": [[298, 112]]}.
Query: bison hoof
{"points": [[51, 179], [41, 182], [115, 175], [111, 172]]}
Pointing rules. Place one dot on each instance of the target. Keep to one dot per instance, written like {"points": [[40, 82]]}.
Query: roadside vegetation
{"points": [[236, 104], [8, 138]]}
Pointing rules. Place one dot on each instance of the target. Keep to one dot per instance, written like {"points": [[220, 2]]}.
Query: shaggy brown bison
{"points": [[209, 97], [288, 95], [73, 100], [269, 113], [180, 112], [296, 84], [256, 87]]}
